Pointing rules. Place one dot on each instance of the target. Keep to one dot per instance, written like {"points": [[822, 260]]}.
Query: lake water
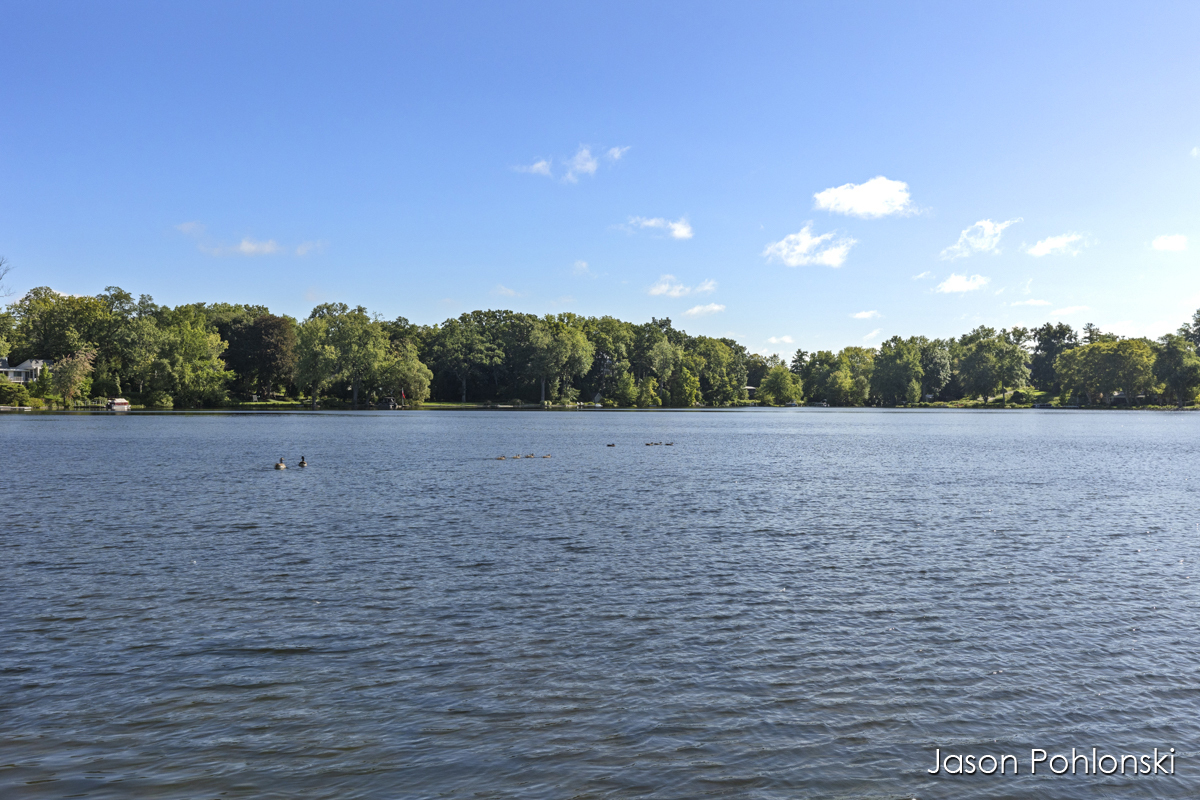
{"points": [[783, 604]]}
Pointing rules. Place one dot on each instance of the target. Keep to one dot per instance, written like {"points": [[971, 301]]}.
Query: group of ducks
{"points": [[531, 455], [649, 444], [282, 465]]}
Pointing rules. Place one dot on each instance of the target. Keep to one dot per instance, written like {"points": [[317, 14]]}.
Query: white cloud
{"points": [[615, 153], [698, 311], [679, 229], [670, 286], [923, 275], [803, 248], [504, 290], [304, 248], [1196, 152], [580, 268], [961, 283], [1170, 243], [1064, 244], [1068, 311], [878, 197], [866, 315], [982, 237], [537, 168], [582, 163], [872, 334], [1031, 303], [249, 247], [780, 340]]}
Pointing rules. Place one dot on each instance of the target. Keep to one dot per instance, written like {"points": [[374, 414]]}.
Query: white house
{"points": [[25, 372]]}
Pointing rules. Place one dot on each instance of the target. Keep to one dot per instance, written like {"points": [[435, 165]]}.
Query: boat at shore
{"points": [[118, 404]]}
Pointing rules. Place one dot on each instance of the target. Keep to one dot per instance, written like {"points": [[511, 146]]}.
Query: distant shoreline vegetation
{"points": [[220, 355]]}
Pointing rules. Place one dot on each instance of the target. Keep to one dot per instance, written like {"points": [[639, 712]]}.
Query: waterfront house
{"points": [[25, 372]]}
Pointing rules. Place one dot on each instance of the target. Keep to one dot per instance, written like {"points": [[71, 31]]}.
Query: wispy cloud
{"points": [[699, 311], [866, 315], [1064, 244], [582, 163], [961, 283], [671, 286], [982, 237], [1068, 311], [580, 269], [536, 168], [246, 247], [801, 248], [572, 167], [250, 247], [878, 197], [923, 275], [1031, 303], [678, 229], [504, 290], [872, 334], [1196, 152], [1171, 243], [780, 340], [304, 248]]}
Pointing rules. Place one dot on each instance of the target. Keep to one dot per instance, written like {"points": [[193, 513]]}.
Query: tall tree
{"points": [[316, 361], [897, 370], [461, 349], [71, 372], [1050, 341], [1178, 367]]}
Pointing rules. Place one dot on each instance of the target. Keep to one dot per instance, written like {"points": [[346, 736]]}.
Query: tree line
{"points": [[208, 355]]}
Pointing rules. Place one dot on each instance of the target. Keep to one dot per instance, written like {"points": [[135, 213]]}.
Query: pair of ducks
{"points": [[282, 465], [531, 455]]}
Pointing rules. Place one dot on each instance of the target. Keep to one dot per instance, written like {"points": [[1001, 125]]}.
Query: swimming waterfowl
{"points": [[303, 463], [501, 458], [281, 465], [545, 456], [610, 445]]}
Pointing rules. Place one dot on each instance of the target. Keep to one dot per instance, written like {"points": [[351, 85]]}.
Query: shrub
{"points": [[160, 400], [13, 394]]}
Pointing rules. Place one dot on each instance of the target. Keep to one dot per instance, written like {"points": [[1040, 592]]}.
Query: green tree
{"points": [[779, 386], [402, 373], [189, 365], [625, 391], [462, 350], [316, 361], [51, 326], [70, 373], [684, 389], [648, 393], [1050, 341], [849, 378], [936, 365], [1177, 366], [897, 366], [361, 343]]}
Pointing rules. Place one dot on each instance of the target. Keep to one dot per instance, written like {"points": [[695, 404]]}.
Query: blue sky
{"points": [[778, 172]]}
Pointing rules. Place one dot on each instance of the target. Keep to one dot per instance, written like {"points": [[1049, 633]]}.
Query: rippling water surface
{"points": [[783, 604]]}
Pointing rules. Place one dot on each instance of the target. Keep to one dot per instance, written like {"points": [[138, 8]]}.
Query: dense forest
{"points": [[210, 355]]}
